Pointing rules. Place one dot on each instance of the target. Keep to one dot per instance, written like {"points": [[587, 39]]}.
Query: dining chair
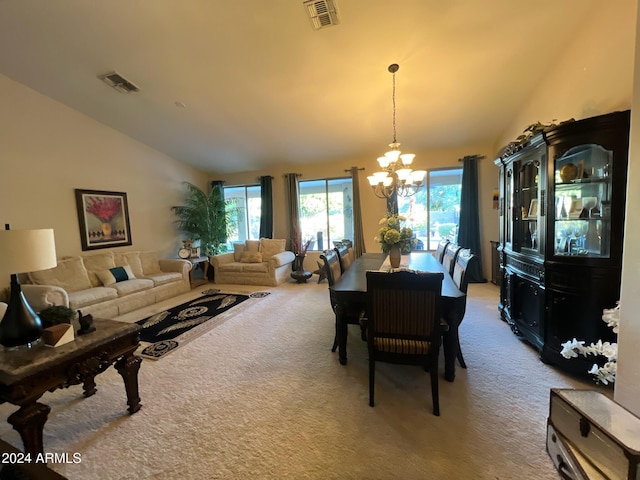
{"points": [[334, 273], [403, 323], [450, 255], [442, 245], [345, 256], [464, 259]]}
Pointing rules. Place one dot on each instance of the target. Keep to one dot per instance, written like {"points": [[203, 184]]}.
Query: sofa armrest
{"points": [[282, 258], [45, 296], [183, 267], [221, 259]]}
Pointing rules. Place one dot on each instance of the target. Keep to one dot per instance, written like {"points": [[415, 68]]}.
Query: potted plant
{"points": [[204, 218]]}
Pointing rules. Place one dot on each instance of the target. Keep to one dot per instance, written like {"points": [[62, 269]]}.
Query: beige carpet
{"points": [[262, 397]]}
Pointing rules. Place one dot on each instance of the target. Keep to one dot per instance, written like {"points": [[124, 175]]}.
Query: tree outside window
{"points": [[245, 218], [326, 211]]}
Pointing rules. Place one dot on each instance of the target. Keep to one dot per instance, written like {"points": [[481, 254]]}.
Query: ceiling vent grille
{"points": [[117, 81], [322, 13]]}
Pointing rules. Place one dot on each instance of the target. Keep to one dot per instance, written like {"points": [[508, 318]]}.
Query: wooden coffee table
{"points": [[26, 375]]}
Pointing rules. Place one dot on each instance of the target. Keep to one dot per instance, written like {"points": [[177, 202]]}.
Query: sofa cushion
{"points": [[132, 259], [251, 257], [231, 267], [95, 263], [261, 267], [252, 245], [132, 286], [115, 274], [91, 296], [238, 250], [70, 274], [150, 263], [164, 277], [271, 246]]}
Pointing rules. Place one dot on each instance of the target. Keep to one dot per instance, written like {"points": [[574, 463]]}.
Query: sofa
{"points": [[107, 284], [254, 262]]}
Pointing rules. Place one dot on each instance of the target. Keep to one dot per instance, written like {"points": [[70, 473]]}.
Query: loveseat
{"points": [[107, 284], [254, 262]]}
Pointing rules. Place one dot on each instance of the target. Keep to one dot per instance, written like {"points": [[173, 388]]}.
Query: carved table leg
{"points": [[29, 422], [128, 367], [89, 386]]}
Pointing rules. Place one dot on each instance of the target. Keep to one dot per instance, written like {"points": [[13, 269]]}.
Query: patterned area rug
{"points": [[165, 331]]}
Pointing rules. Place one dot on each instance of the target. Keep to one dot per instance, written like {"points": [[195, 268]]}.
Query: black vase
{"points": [[298, 263], [20, 326]]}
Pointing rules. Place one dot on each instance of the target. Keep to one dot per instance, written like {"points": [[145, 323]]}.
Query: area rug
{"points": [[165, 331]]}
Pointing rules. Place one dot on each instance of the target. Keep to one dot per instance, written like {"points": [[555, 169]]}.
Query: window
{"points": [[244, 213], [434, 212], [326, 211]]}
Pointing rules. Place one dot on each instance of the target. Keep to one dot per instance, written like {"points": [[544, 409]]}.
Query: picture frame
{"points": [[103, 219], [533, 208], [195, 252]]}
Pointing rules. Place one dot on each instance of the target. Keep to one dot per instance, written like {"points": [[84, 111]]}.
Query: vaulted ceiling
{"points": [[243, 84]]}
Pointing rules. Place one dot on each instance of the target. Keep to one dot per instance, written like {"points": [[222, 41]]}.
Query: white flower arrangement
{"points": [[607, 373]]}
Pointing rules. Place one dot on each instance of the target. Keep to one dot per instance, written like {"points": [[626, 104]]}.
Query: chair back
{"points": [[450, 255], [460, 268], [440, 250], [405, 306], [345, 255], [331, 266]]}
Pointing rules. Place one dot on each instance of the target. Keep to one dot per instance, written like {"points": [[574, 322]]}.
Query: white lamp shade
{"points": [[392, 155], [373, 180], [24, 251], [404, 174], [407, 158], [418, 175], [384, 162]]}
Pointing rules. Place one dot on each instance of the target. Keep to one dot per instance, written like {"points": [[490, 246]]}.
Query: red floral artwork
{"points": [[104, 208]]}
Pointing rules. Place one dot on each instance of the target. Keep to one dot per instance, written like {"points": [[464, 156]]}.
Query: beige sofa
{"points": [[254, 262], [92, 283]]}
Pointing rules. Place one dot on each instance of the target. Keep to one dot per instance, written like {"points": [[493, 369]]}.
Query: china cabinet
{"points": [[562, 203]]}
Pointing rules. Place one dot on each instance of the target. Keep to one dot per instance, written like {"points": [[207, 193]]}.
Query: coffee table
{"points": [[26, 375]]}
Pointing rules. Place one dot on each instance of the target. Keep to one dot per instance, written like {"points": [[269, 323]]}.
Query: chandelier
{"points": [[396, 177]]}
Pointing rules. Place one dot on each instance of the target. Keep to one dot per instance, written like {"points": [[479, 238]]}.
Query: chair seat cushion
{"points": [[402, 346]]}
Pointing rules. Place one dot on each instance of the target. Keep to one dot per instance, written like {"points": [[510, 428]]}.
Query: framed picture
{"points": [[195, 252], [103, 218], [533, 208]]}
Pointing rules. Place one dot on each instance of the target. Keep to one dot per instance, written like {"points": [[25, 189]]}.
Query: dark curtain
{"points": [[266, 208], [392, 203], [469, 228], [358, 232]]}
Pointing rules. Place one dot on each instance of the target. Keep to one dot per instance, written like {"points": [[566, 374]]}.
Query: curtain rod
{"points": [[349, 169], [476, 156]]}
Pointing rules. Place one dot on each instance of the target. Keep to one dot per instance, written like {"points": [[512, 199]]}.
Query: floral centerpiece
{"points": [[391, 234], [607, 372]]}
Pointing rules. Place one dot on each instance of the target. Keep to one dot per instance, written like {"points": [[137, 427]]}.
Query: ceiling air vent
{"points": [[322, 13], [117, 81]]}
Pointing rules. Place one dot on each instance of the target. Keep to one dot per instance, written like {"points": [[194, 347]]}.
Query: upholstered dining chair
{"points": [[450, 255], [403, 323], [442, 245], [345, 256], [333, 273], [460, 278]]}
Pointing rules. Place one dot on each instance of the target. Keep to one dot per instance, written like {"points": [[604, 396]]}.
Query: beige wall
{"points": [[595, 76], [374, 208], [48, 150], [627, 391]]}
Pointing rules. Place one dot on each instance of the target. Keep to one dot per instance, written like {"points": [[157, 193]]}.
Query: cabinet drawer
{"points": [[603, 434]]}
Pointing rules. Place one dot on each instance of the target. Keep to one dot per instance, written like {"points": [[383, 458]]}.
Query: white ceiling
{"points": [[260, 86]]}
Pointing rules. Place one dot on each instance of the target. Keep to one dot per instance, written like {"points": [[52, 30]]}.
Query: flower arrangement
{"points": [[606, 373], [104, 208], [392, 234]]}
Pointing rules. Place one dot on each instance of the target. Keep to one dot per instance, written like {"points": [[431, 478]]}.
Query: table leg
{"points": [[341, 332], [128, 367], [29, 422], [449, 343]]}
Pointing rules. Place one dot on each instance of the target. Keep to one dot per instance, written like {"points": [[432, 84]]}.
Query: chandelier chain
{"points": [[393, 96]]}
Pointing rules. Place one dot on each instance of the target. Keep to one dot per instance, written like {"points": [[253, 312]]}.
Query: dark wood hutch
{"points": [[562, 204]]}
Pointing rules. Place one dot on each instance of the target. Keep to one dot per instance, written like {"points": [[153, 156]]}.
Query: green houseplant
{"points": [[204, 218]]}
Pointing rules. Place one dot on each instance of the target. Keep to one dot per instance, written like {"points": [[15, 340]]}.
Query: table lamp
{"points": [[23, 251]]}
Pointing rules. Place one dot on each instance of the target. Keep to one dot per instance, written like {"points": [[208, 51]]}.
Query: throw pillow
{"points": [[252, 245], [115, 274], [251, 257], [150, 263], [270, 247], [70, 274]]}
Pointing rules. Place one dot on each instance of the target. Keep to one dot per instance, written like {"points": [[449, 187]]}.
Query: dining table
{"points": [[350, 292]]}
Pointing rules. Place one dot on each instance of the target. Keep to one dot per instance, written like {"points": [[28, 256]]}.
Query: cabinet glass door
{"points": [[582, 214], [526, 227]]}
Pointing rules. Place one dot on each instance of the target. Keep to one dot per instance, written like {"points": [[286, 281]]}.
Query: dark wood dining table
{"points": [[350, 291]]}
